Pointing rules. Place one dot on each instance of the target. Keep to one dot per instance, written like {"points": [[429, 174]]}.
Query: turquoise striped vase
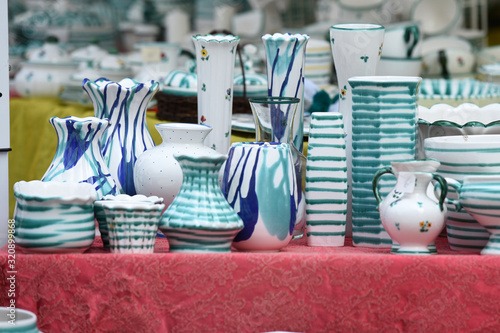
{"points": [[326, 181], [384, 130], [200, 219]]}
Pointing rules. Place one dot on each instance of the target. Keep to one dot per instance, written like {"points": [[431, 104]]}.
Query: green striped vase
{"points": [[383, 131], [200, 219], [326, 181]]}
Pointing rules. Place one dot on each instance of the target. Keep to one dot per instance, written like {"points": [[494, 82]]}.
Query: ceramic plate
{"points": [[243, 122], [436, 17]]}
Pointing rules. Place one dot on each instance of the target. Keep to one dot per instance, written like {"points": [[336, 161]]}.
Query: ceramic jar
{"points": [[24, 321], [124, 103], [259, 183], [408, 214], [78, 155], [157, 172], [200, 219]]}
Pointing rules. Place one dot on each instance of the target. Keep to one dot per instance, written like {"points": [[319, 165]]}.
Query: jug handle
{"points": [[457, 186], [444, 190], [376, 178]]}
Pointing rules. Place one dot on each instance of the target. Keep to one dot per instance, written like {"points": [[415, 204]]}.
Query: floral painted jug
{"points": [[124, 103]]}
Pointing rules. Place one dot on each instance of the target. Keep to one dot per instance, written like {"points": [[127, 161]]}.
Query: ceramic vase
{"points": [[384, 129], [285, 58], [259, 183], [356, 50], [124, 103], [412, 218], [157, 172], [274, 119], [215, 59], [200, 219], [420, 165], [78, 155], [326, 180]]}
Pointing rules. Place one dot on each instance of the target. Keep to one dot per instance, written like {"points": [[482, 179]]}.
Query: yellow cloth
{"points": [[34, 141]]}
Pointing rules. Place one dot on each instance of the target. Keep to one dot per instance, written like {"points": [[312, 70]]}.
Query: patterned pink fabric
{"points": [[306, 289]]}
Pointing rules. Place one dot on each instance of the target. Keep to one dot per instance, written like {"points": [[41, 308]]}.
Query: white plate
{"points": [[243, 122]]}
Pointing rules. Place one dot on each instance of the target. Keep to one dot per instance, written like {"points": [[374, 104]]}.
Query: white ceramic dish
{"points": [[54, 217], [389, 66], [457, 91], [488, 55], [436, 17]]}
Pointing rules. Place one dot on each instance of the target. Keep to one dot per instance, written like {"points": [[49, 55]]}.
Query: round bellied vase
{"points": [[200, 219], [412, 218], [78, 155], [124, 103], [157, 172], [259, 182]]}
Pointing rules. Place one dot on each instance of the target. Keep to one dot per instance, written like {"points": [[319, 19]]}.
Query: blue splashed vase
{"points": [[259, 182], [78, 155], [125, 104], [200, 219]]}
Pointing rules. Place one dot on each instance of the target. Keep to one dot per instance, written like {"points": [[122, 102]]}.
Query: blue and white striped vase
{"points": [[200, 219], [326, 181], [259, 182], [384, 130], [285, 59], [124, 103], [78, 155]]}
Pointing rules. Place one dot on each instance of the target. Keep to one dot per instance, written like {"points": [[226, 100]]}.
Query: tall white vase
{"points": [[285, 57], [215, 58], [356, 50]]}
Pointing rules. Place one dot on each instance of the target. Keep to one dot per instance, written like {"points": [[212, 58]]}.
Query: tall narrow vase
{"points": [[124, 103], [273, 117], [215, 58], [384, 130], [78, 155], [285, 57], [200, 219], [356, 50]]}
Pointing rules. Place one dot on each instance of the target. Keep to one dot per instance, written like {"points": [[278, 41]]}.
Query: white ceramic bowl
{"points": [[490, 73], [129, 224], [455, 92], [449, 61], [488, 55], [480, 197], [461, 156], [390, 66], [436, 17], [466, 119], [402, 40], [24, 321], [54, 217]]}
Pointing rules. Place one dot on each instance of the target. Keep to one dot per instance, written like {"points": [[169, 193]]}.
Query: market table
{"points": [[301, 289]]}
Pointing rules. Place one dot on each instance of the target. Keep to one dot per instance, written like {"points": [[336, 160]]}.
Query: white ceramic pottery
{"points": [[157, 172], [402, 40], [326, 181], [17, 320], [45, 72], [259, 182], [124, 103], [215, 59], [461, 156], [54, 216], [131, 221], [200, 219], [409, 216], [457, 91], [78, 155], [480, 197], [384, 128], [318, 63], [448, 63], [158, 60], [391, 66], [273, 117], [285, 58], [437, 17], [356, 50], [101, 215], [421, 165], [466, 119]]}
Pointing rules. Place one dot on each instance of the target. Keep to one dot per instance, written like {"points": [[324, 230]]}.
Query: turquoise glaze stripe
{"points": [[323, 212], [317, 233]]}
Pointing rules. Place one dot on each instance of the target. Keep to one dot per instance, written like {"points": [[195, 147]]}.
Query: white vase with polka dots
{"points": [[157, 172]]}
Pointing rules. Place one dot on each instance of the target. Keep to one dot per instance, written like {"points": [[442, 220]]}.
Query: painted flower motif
{"points": [[204, 53], [203, 119], [424, 226], [380, 49], [228, 94], [365, 58], [204, 87], [460, 61], [343, 92]]}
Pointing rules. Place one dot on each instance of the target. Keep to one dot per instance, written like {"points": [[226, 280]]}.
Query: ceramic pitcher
{"points": [[411, 217], [384, 126]]}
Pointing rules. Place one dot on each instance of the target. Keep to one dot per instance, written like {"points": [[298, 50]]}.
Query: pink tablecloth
{"points": [[306, 289]]}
